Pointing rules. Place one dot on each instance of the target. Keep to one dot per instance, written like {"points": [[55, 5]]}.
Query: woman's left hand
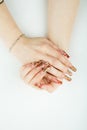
{"points": [[42, 75]]}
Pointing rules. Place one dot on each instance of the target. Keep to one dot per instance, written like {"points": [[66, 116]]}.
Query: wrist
{"points": [[15, 42], [13, 37], [21, 49], [19, 41]]}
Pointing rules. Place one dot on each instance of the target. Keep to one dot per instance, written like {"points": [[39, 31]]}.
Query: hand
{"points": [[36, 74], [35, 49], [39, 74]]}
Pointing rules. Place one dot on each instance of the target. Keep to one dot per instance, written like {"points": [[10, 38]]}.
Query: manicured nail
{"points": [[67, 78], [73, 68], [69, 72], [65, 54]]}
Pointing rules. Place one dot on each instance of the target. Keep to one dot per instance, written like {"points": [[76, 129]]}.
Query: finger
{"points": [[56, 47], [53, 78], [61, 56], [69, 72], [58, 80], [35, 82], [38, 77], [55, 72], [64, 55], [66, 62], [31, 74], [47, 79], [56, 63], [34, 63], [51, 59], [55, 82], [46, 85], [62, 52], [27, 68], [67, 78], [58, 74]]}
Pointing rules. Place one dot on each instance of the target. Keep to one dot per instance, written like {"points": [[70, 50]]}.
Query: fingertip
{"points": [[49, 88]]}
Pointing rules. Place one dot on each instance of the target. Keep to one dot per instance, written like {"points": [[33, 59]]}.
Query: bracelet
{"points": [[15, 42], [1, 1]]}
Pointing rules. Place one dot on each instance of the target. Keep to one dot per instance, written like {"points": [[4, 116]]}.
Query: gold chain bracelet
{"points": [[15, 42]]}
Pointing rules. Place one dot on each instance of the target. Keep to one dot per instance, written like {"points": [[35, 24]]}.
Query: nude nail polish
{"points": [[67, 78], [64, 53], [69, 72], [73, 68]]}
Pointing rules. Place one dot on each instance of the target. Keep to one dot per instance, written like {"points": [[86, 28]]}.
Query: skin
{"points": [[61, 18], [42, 75], [35, 76], [33, 49]]}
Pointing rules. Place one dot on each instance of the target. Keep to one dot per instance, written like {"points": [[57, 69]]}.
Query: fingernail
{"points": [[73, 68], [69, 72], [65, 54], [67, 78]]}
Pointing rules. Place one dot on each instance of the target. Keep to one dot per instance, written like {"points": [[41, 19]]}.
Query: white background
{"points": [[24, 108]]}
